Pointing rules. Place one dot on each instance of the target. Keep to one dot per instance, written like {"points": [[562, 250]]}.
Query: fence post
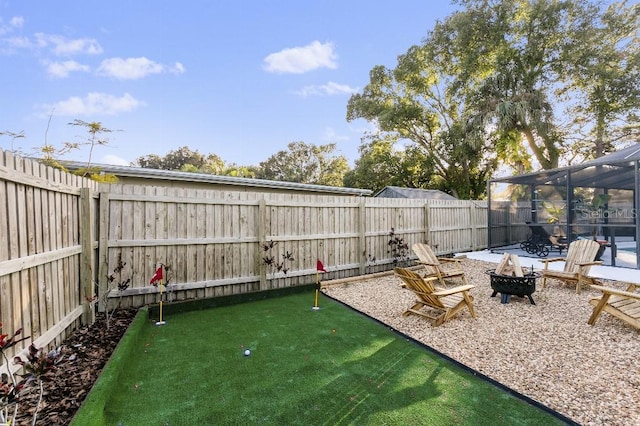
{"points": [[427, 224], [87, 255], [103, 251], [508, 224], [472, 224], [362, 236], [262, 237]]}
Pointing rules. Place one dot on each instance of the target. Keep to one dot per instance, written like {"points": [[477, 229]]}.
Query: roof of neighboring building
{"points": [[399, 192], [171, 175]]}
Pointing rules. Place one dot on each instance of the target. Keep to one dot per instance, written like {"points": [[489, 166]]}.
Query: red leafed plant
{"points": [[37, 368], [9, 387]]}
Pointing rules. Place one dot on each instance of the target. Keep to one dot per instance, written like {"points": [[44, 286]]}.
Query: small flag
{"points": [[319, 268], [157, 276]]}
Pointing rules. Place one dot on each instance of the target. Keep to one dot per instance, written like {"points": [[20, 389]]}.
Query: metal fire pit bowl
{"points": [[508, 285]]}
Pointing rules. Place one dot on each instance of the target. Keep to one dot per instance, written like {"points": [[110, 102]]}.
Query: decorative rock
{"points": [[546, 351]]}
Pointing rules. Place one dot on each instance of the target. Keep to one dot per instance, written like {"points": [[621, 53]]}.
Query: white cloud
{"points": [[298, 60], [135, 68], [114, 159], [331, 136], [14, 23], [91, 105], [62, 46], [63, 69], [16, 43], [330, 88], [178, 68], [17, 22]]}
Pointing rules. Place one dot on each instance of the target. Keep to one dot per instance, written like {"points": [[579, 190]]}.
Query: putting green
{"points": [[330, 366]]}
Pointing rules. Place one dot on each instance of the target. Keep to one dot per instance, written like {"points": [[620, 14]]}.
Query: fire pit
{"points": [[508, 285]]}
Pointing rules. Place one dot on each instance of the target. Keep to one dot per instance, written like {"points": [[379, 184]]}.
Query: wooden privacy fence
{"points": [[46, 250], [62, 237], [218, 242]]}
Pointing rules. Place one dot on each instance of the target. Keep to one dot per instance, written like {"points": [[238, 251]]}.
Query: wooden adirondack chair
{"points": [[579, 260], [433, 266], [624, 305], [442, 304]]}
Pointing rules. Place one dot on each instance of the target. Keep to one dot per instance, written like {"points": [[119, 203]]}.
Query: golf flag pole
{"points": [[319, 268], [159, 277]]}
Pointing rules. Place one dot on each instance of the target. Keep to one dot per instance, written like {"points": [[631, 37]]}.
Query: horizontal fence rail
{"points": [[63, 237]]}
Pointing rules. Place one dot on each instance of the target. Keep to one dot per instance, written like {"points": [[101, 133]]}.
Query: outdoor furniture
{"points": [[441, 304], [509, 279], [433, 266], [538, 241], [579, 260], [624, 305], [558, 243]]}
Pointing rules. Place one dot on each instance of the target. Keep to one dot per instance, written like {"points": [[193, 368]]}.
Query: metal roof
{"points": [[140, 172], [417, 193], [613, 171]]}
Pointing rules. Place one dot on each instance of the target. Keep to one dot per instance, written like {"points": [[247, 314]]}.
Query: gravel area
{"points": [[546, 351]]}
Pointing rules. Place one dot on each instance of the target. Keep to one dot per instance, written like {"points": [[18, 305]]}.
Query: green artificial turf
{"points": [[326, 367]]}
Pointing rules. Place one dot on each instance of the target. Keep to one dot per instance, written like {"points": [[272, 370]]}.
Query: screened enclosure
{"points": [[597, 199]]}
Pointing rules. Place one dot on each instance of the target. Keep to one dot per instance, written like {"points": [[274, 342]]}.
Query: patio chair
{"points": [[433, 265], [579, 260], [540, 242], [622, 304], [557, 242], [440, 304]]}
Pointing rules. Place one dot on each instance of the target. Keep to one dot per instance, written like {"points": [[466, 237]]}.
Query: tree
{"points": [[504, 55], [183, 159], [521, 61], [380, 165], [603, 80], [186, 160], [236, 170], [415, 102], [97, 136], [305, 163]]}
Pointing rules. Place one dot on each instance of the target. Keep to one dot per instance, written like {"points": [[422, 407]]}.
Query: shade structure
{"points": [[595, 199]]}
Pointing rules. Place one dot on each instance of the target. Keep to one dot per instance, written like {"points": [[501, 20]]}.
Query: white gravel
{"points": [[546, 351]]}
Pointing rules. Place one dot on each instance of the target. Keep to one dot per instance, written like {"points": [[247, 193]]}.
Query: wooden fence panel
{"points": [[40, 251], [509, 222]]}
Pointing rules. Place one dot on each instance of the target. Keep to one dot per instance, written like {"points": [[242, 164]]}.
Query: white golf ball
{"points": [[247, 352]]}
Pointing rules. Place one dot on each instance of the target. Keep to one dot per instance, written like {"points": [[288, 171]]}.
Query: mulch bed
{"points": [[84, 354]]}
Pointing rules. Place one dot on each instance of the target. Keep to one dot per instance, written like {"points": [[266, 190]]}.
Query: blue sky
{"points": [[240, 79]]}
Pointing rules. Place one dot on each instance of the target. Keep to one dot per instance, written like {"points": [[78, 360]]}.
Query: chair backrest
{"points": [[426, 254], [580, 251], [538, 231], [422, 288]]}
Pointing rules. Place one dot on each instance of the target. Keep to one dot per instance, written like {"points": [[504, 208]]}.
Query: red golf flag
{"points": [[157, 276], [320, 266]]}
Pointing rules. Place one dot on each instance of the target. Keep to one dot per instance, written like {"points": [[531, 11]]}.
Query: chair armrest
{"points": [[615, 291], [450, 259], [555, 259], [449, 291], [422, 262], [595, 262]]}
